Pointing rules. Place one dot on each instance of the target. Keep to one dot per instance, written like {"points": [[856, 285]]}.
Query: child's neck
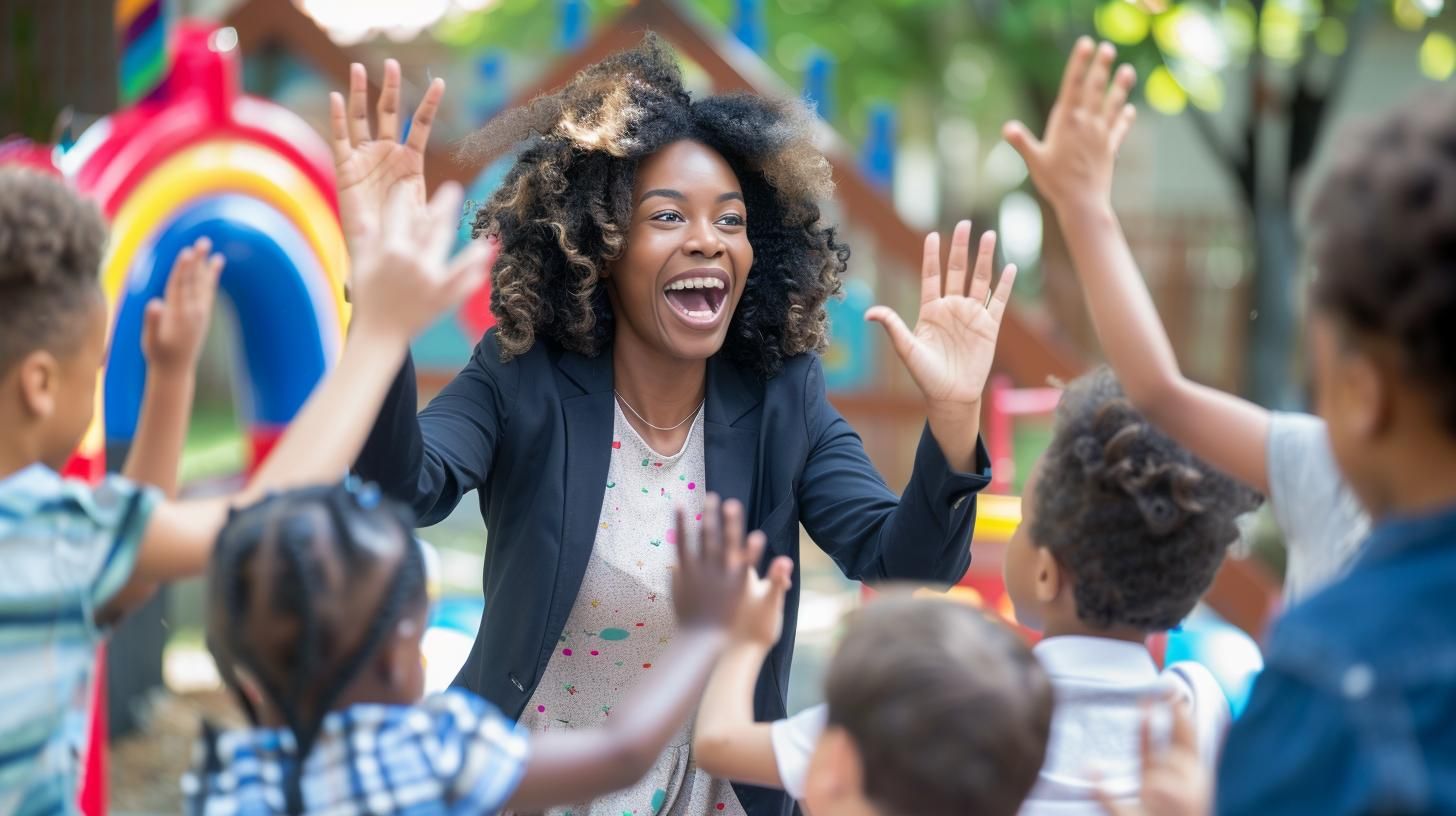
{"points": [[1421, 480], [1076, 628]]}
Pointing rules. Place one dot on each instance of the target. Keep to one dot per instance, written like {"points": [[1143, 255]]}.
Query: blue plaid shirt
{"points": [[66, 548], [454, 753]]}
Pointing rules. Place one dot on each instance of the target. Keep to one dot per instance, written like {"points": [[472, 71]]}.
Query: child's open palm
{"points": [[761, 615], [1075, 157], [368, 167], [708, 584], [404, 277], [175, 325]]}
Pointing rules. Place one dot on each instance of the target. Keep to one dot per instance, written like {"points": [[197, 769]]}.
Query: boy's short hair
{"points": [[948, 709], [1383, 241], [51, 242], [1141, 523]]}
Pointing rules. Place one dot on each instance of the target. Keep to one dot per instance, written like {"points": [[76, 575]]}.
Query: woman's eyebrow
{"points": [[665, 193], [730, 197]]}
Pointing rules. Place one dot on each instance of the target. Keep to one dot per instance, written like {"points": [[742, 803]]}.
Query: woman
{"points": [[659, 295]]}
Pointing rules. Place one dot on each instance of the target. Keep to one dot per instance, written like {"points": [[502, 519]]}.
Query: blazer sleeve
{"points": [[844, 503], [432, 459]]}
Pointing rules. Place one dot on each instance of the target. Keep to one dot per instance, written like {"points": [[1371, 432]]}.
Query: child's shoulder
{"points": [[55, 530]]}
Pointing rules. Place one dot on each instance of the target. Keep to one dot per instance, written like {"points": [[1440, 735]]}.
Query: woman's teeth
{"points": [[695, 283]]}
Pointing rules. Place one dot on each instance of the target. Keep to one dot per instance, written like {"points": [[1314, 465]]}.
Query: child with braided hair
{"points": [[318, 601]]}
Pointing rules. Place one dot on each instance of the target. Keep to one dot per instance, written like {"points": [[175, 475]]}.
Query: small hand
{"points": [[1087, 125], [708, 584], [949, 353], [1175, 781], [175, 325], [368, 168], [403, 276], [760, 618]]}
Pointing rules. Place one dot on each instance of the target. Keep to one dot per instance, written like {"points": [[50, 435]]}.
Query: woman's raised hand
{"points": [[369, 167], [949, 352]]}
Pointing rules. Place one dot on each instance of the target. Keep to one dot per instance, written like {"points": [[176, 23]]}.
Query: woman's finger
{"points": [[680, 524], [1122, 126], [389, 103], [985, 262], [900, 336], [1075, 72], [996, 308], [959, 262], [930, 269], [443, 213], [358, 104], [419, 134], [1094, 88]]}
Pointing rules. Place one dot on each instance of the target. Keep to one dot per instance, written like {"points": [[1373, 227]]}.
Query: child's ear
{"points": [[39, 378], [1048, 576], [1367, 393]]}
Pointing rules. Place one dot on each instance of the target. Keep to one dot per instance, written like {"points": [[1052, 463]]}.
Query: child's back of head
{"points": [[1130, 525], [318, 600], [933, 710], [52, 317], [1383, 244]]}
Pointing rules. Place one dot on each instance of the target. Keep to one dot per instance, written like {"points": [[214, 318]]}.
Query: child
{"points": [[933, 709], [1353, 712], [317, 605], [76, 556], [1284, 456], [1121, 533]]}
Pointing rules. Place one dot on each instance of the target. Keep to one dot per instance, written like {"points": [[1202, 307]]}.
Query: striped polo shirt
{"points": [[66, 548]]}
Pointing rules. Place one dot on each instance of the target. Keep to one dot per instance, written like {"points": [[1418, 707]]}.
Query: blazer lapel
{"points": [[588, 428], [731, 446]]}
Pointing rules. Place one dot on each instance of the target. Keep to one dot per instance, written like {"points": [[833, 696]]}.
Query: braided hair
{"points": [[275, 567]]}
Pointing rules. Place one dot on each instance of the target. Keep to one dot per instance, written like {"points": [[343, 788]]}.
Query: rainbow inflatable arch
{"points": [[195, 157]]}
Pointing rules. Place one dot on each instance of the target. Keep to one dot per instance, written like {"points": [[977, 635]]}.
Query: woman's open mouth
{"points": [[697, 296]]}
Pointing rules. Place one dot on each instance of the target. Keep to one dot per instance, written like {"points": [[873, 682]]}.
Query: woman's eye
{"points": [[731, 220], [667, 215]]}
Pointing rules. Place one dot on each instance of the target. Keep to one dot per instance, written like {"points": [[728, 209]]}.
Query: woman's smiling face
{"points": [[687, 254]]}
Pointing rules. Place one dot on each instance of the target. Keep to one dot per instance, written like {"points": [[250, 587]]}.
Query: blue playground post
{"points": [[748, 23], [879, 150], [819, 83], [572, 34], [490, 69]]}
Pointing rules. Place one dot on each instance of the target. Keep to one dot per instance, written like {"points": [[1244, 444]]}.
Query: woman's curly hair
{"points": [[1383, 240], [563, 210], [1141, 523]]}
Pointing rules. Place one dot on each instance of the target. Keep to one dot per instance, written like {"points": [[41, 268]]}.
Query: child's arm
{"points": [[573, 766], [1072, 167], [727, 742], [399, 289], [172, 336]]}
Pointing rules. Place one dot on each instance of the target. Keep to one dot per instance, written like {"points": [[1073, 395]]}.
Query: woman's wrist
{"points": [[955, 428]]}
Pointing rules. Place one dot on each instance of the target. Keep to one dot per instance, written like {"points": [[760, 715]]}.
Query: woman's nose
{"points": [[703, 240]]}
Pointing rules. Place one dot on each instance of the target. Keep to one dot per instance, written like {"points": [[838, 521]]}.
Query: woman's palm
{"points": [[950, 350]]}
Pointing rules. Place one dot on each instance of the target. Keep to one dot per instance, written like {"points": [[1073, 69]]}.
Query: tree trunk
{"points": [[1269, 372]]}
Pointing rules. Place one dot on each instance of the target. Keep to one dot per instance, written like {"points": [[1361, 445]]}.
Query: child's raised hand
{"points": [[708, 584], [175, 325], [1074, 160], [1175, 781], [369, 166], [760, 618], [404, 277]]}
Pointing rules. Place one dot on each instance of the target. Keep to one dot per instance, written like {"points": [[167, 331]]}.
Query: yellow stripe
{"points": [[220, 166]]}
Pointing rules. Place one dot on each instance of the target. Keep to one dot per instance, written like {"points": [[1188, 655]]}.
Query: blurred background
{"points": [[1241, 103]]}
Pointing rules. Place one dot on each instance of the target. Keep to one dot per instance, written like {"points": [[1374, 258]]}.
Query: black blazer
{"points": [[534, 437]]}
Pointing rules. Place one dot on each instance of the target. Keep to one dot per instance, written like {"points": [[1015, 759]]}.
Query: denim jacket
{"points": [[1355, 711]]}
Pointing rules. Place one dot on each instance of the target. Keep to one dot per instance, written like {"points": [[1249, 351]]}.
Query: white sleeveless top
{"points": [[623, 620]]}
